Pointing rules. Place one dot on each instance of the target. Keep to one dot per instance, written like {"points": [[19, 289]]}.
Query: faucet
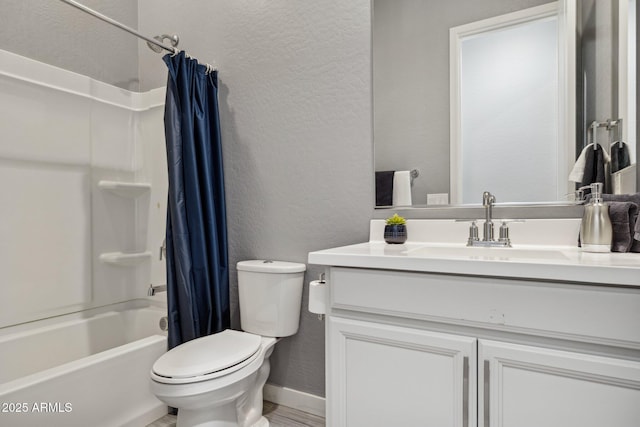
{"points": [[158, 288], [488, 200]]}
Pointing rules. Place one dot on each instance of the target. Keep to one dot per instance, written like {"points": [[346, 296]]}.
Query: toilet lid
{"points": [[208, 354]]}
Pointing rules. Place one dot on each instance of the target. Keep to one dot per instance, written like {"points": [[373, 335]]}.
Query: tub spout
{"points": [[158, 288]]}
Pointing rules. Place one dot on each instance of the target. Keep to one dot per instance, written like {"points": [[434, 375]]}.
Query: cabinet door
{"points": [[382, 375], [523, 386]]}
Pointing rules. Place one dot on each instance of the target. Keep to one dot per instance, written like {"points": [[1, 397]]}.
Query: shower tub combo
{"points": [[87, 368], [77, 336]]}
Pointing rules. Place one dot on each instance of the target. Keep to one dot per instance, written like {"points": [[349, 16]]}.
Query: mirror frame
{"points": [[501, 210]]}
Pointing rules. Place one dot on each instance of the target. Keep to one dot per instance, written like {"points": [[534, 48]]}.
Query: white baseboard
{"points": [[295, 399]]}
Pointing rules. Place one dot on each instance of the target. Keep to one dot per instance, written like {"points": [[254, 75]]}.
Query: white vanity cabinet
{"points": [[423, 349], [529, 386], [384, 375]]}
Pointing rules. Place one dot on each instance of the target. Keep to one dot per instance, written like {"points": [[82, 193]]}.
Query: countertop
{"points": [[537, 262]]}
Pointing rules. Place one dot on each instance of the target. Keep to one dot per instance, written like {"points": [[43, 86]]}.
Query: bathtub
{"points": [[85, 369]]}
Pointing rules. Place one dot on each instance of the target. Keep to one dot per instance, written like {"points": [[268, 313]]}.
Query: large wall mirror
{"points": [[450, 129]]}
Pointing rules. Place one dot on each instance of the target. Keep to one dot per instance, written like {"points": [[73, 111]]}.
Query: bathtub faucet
{"points": [[158, 288]]}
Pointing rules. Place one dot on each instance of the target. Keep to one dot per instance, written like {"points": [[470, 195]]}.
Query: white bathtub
{"points": [[85, 369]]}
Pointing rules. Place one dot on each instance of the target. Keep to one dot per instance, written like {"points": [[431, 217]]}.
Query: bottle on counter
{"points": [[596, 232]]}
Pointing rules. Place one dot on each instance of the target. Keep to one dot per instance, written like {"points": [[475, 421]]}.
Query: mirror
{"points": [[413, 129]]}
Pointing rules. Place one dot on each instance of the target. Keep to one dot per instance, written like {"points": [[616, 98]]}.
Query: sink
{"points": [[543, 249], [487, 253]]}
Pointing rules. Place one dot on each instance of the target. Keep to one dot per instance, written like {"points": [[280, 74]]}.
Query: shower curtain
{"points": [[197, 260]]}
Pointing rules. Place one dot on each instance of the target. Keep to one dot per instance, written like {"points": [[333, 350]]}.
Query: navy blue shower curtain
{"points": [[197, 260]]}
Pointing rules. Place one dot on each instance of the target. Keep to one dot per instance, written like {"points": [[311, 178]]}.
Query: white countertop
{"points": [[524, 261]]}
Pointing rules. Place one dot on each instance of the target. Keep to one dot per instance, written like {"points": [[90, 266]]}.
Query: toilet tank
{"points": [[270, 296]]}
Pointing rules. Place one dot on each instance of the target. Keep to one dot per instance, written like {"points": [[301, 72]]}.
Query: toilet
{"points": [[217, 380]]}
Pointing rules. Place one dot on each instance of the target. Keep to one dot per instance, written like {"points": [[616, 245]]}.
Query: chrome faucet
{"points": [[158, 288], [488, 200]]}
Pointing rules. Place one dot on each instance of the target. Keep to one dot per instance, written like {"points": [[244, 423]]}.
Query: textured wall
{"points": [[598, 71], [55, 33], [295, 105]]}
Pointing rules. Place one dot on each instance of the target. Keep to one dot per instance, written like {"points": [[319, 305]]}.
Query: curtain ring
{"points": [[175, 51]]}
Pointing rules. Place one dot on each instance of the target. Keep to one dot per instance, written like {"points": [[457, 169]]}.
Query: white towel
{"points": [[402, 188], [578, 168]]}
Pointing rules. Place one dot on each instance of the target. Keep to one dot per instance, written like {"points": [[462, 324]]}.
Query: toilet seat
{"points": [[207, 357]]}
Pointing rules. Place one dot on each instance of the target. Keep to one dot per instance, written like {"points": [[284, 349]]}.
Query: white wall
{"points": [[295, 101]]}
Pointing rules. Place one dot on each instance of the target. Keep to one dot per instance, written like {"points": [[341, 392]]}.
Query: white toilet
{"points": [[217, 380]]}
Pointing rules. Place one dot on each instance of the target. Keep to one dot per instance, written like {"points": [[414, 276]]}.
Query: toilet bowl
{"points": [[217, 380]]}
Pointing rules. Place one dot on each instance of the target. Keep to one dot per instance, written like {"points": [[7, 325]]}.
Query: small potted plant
{"points": [[396, 229]]}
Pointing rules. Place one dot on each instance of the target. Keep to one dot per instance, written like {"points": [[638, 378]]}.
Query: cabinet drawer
{"points": [[598, 314]]}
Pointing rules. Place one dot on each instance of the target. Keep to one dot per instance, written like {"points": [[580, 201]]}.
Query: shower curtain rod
{"points": [[117, 24]]}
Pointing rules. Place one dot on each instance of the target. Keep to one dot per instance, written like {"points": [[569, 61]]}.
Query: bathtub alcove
{"points": [[83, 187]]}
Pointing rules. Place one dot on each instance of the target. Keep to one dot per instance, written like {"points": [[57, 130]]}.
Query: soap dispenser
{"points": [[596, 232]]}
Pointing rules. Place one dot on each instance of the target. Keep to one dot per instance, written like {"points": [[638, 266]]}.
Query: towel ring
{"points": [[413, 174]]}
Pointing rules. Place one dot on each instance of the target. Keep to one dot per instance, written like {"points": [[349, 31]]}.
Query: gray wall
{"points": [[295, 104], [55, 33], [411, 83], [597, 71]]}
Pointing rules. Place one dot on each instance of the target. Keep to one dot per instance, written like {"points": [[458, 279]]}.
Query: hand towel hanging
{"points": [[402, 188]]}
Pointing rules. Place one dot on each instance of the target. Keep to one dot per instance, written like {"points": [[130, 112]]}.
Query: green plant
{"points": [[396, 220]]}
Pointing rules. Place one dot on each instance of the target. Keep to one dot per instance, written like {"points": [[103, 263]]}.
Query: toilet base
{"points": [[262, 422], [229, 419], [225, 417]]}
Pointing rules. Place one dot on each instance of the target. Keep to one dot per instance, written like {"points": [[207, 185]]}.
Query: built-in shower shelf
{"points": [[125, 189], [125, 259]]}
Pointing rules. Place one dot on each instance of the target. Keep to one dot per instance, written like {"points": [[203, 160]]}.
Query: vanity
{"points": [[435, 333]]}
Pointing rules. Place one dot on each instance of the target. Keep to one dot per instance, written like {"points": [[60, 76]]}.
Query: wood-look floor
{"points": [[278, 416], [283, 416]]}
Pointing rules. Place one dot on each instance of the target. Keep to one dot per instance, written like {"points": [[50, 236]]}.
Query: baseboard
{"points": [[295, 399]]}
